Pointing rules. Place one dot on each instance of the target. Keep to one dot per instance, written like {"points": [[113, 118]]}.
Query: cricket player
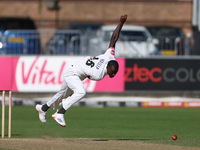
{"points": [[72, 89]]}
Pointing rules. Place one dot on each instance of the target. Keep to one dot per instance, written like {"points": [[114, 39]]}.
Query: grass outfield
{"points": [[154, 125]]}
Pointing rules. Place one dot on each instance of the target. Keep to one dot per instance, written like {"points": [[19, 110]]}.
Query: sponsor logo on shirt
{"points": [[112, 52]]}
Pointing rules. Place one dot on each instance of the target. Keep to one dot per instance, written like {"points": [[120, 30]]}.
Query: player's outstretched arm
{"points": [[116, 32]]}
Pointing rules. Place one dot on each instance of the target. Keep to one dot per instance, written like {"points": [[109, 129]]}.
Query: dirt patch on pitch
{"points": [[47, 143]]}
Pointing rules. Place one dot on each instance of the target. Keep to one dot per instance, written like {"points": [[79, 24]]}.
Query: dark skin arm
{"points": [[116, 32]]}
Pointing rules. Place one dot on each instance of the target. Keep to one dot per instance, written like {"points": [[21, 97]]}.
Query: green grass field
{"points": [[154, 125]]}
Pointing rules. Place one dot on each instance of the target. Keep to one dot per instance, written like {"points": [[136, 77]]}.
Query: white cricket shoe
{"points": [[42, 114], [59, 118]]}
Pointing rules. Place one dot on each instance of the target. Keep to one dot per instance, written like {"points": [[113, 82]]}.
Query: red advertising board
{"points": [[7, 71], [44, 74]]}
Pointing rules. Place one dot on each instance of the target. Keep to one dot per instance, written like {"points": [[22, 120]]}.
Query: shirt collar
{"points": [[105, 70]]}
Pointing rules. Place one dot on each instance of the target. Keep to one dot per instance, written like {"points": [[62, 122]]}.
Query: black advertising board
{"points": [[162, 74]]}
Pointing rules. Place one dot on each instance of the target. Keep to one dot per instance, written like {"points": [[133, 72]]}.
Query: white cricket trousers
{"points": [[71, 84]]}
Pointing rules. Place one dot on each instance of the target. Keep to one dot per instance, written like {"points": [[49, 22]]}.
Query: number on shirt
{"points": [[90, 61]]}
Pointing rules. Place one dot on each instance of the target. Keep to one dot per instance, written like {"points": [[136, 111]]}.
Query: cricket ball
{"points": [[174, 137]]}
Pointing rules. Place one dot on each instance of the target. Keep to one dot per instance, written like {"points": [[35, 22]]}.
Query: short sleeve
{"points": [[110, 52]]}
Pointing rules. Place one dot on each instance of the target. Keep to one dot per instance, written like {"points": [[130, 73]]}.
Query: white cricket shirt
{"points": [[94, 67]]}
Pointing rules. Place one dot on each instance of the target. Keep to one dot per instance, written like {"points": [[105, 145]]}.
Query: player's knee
{"points": [[81, 92]]}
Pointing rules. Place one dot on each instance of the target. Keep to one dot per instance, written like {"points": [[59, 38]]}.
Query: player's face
{"points": [[111, 71]]}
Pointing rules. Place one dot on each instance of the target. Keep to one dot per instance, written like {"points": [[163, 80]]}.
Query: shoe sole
{"points": [[58, 122]]}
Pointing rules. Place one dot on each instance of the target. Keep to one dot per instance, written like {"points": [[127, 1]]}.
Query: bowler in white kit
{"points": [[72, 88]]}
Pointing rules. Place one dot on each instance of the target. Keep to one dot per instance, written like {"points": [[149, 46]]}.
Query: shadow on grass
{"points": [[128, 139], [15, 135]]}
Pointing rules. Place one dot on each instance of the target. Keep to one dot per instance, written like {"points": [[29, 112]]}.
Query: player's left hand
{"points": [[123, 18]]}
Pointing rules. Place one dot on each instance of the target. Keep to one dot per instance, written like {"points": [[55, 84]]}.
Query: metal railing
{"points": [[19, 42], [76, 42], [172, 45]]}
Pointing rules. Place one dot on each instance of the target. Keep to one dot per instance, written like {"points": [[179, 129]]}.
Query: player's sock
{"points": [[61, 111], [45, 107]]}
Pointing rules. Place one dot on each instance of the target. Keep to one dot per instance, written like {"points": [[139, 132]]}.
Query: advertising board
{"points": [[162, 74], [44, 74]]}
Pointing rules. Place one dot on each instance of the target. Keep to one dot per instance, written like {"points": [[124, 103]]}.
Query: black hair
{"points": [[113, 63]]}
